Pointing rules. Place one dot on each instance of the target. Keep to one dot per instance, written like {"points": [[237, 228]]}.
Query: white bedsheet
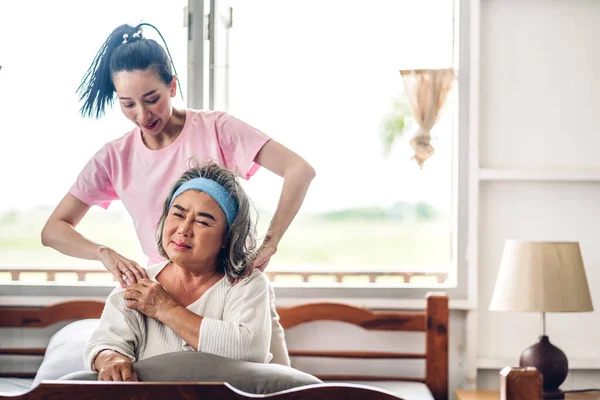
{"points": [[404, 390], [14, 386]]}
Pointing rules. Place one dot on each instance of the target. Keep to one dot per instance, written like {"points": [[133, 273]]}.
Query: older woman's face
{"points": [[194, 229]]}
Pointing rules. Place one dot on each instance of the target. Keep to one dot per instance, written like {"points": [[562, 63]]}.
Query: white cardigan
{"points": [[236, 324]]}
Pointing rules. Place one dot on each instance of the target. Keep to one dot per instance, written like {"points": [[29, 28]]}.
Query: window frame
{"points": [[377, 294], [373, 296]]}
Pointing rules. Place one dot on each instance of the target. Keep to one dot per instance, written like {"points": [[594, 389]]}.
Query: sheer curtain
{"points": [[427, 90]]}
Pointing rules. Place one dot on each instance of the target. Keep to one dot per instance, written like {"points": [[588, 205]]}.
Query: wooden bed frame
{"points": [[433, 321]]}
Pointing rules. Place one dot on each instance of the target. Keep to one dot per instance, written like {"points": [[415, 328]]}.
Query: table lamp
{"points": [[543, 277]]}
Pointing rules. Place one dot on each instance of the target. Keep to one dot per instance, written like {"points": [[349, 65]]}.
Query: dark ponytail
{"points": [[97, 90]]}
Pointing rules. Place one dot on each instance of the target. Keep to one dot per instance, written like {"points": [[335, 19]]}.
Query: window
{"points": [[318, 76]]}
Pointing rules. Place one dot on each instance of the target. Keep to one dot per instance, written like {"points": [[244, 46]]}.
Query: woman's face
{"points": [[194, 229], [145, 99]]}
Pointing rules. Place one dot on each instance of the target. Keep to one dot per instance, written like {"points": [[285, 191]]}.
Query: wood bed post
{"points": [[436, 362]]}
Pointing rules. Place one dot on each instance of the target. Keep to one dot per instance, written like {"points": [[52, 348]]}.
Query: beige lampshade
{"points": [[541, 277]]}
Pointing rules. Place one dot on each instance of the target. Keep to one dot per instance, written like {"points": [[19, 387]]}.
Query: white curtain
{"points": [[427, 90]]}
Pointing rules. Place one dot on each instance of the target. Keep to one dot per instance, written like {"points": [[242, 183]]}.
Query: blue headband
{"points": [[214, 190]]}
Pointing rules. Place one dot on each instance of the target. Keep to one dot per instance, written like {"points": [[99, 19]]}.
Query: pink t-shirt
{"points": [[125, 169]]}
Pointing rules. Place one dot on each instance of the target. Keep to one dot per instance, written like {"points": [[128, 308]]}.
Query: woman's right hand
{"points": [[116, 367], [120, 266]]}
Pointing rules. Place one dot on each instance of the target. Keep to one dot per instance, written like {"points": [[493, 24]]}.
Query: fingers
{"points": [[127, 374], [129, 275], [262, 261], [137, 271], [122, 373], [126, 271], [119, 277], [121, 274], [259, 260], [116, 375], [132, 271], [109, 374], [111, 260], [264, 256], [146, 282], [132, 294], [132, 298], [135, 377]]}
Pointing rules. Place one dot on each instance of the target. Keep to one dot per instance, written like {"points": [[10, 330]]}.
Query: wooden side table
{"points": [[495, 395], [477, 395]]}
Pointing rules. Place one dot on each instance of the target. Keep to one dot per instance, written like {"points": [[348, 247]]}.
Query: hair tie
{"points": [[137, 36], [168, 52]]}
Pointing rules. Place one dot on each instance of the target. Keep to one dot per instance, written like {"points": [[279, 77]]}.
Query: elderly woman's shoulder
{"points": [[255, 278]]}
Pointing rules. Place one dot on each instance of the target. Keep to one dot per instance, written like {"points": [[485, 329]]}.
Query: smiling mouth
{"points": [[151, 126]]}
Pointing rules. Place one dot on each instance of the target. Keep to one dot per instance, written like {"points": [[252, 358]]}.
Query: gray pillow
{"points": [[64, 353], [191, 366]]}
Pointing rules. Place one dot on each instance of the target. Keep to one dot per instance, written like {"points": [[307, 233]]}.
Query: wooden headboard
{"points": [[433, 321], [41, 317]]}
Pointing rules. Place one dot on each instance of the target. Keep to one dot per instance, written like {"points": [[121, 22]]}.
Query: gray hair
{"points": [[237, 258]]}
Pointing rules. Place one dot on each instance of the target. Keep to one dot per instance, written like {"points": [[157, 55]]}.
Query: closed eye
{"points": [[203, 223], [178, 215], [153, 101]]}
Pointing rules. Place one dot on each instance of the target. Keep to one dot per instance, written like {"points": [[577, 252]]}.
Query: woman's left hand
{"points": [[265, 252], [149, 298]]}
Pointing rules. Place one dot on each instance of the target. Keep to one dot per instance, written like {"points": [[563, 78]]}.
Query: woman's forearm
{"points": [[62, 236], [296, 181], [185, 323]]}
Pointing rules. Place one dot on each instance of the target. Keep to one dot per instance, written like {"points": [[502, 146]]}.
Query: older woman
{"points": [[206, 297]]}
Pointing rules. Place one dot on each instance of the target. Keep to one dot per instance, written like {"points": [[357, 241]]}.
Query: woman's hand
{"points": [[149, 298], [113, 366], [120, 266], [265, 252]]}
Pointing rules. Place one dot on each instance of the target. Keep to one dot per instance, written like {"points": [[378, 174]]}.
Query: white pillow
{"points": [[64, 353]]}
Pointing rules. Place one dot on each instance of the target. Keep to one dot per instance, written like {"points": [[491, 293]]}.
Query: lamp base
{"points": [[552, 364], [557, 394]]}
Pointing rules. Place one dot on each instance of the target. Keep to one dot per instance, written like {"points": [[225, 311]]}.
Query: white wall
{"points": [[539, 109]]}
